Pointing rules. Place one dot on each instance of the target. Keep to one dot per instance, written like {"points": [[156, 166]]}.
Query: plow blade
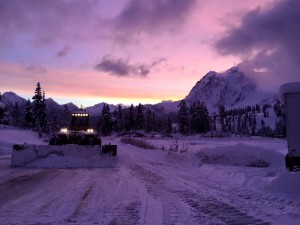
{"points": [[61, 156]]}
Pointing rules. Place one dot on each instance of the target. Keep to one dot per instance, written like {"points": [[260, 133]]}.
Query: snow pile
{"points": [[10, 135], [241, 155], [288, 183]]}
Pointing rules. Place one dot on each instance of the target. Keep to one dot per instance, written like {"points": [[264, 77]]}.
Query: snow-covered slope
{"points": [[10, 98], [72, 107], [97, 109], [232, 89]]}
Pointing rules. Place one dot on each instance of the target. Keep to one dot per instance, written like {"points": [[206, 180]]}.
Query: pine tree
{"points": [[16, 114], [130, 119], [169, 127], [28, 116], [105, 127], [222, 116], [1, 110], [183, 117], [39, 109], [66, 117], [120, 120], [139, 117], [43, 114]]}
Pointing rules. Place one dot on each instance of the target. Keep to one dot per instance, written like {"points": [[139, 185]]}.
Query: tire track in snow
{"points": [[211, 209], [258, 204], [206, 206], [172, 210], [82, 204], [22, 185]]}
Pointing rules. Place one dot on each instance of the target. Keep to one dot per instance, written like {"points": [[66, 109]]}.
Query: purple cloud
{"points": [[268, 40], [150, 15], [47, 20], [36, 69], [122, 68], [64, 51]]}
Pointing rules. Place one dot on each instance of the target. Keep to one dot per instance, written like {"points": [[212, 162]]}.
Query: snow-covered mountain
{"points": [[10, 99], [97, 109], [232, 89]]}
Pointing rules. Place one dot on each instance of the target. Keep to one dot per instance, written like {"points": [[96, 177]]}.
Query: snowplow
{"points": [[290, 95], [76, 146]]}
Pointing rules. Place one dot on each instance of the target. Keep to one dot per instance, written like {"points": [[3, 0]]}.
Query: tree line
{"points": [[190, 119]]}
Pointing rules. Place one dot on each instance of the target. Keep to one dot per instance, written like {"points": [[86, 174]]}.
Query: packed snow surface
{"points": [[212, 181]]}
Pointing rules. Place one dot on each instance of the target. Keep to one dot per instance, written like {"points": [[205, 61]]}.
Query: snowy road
{"points": [[147, 187]]}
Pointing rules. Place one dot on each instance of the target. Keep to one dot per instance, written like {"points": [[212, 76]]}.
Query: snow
{"points": [[232, 88], [213, 181], [289, 88], [67, 156]]}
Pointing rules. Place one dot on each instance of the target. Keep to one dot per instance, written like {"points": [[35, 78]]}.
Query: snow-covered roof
{"points": [[289, 88]]}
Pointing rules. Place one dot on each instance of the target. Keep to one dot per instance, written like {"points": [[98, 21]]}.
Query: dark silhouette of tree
{"points": [[28, 115], [105, 121], [199, 118], [183, 117], [16, 115], [139, 117], [39, 109], [222, 116], [130, 118]]}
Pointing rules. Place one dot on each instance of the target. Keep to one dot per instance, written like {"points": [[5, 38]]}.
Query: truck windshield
{"points": [[79, 122]]}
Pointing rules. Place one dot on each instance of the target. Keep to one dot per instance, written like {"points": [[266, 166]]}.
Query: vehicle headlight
{"points": [[64, 130], [90, 130]]}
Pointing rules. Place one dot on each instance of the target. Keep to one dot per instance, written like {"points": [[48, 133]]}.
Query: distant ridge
{"points": [[232, 88]]}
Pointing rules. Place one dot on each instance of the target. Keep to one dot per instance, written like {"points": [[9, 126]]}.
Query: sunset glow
{"points": [[122, 51]]}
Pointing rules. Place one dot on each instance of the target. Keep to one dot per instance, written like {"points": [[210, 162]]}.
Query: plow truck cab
{"points": [[80, 132]]}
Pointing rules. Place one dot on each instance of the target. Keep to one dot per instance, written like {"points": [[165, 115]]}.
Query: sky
{"points": [[143, 51]]}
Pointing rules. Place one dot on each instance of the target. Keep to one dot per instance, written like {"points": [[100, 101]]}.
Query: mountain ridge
{"points": [[232, 88]]}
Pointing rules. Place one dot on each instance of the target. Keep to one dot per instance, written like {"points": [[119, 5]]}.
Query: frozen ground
{"points": [[213, 182]]}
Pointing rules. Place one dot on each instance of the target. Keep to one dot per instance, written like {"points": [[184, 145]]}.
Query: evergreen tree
{"points": [[105, 127], [183, 117], [169, 127], [200, 121], [43, 114], [15, 115], [66, 117], [130, 120], [149, 120], [1, 110], [139, 117], [39, 109], [28, 116], [222, 116], [257, 108], [120, 121]]}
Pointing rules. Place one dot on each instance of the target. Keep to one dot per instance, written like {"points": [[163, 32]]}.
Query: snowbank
{"points": [[11, 135], [241, 155]]}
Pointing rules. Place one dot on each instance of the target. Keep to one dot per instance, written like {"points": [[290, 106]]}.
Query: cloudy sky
{"points": [[131, 51]]}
